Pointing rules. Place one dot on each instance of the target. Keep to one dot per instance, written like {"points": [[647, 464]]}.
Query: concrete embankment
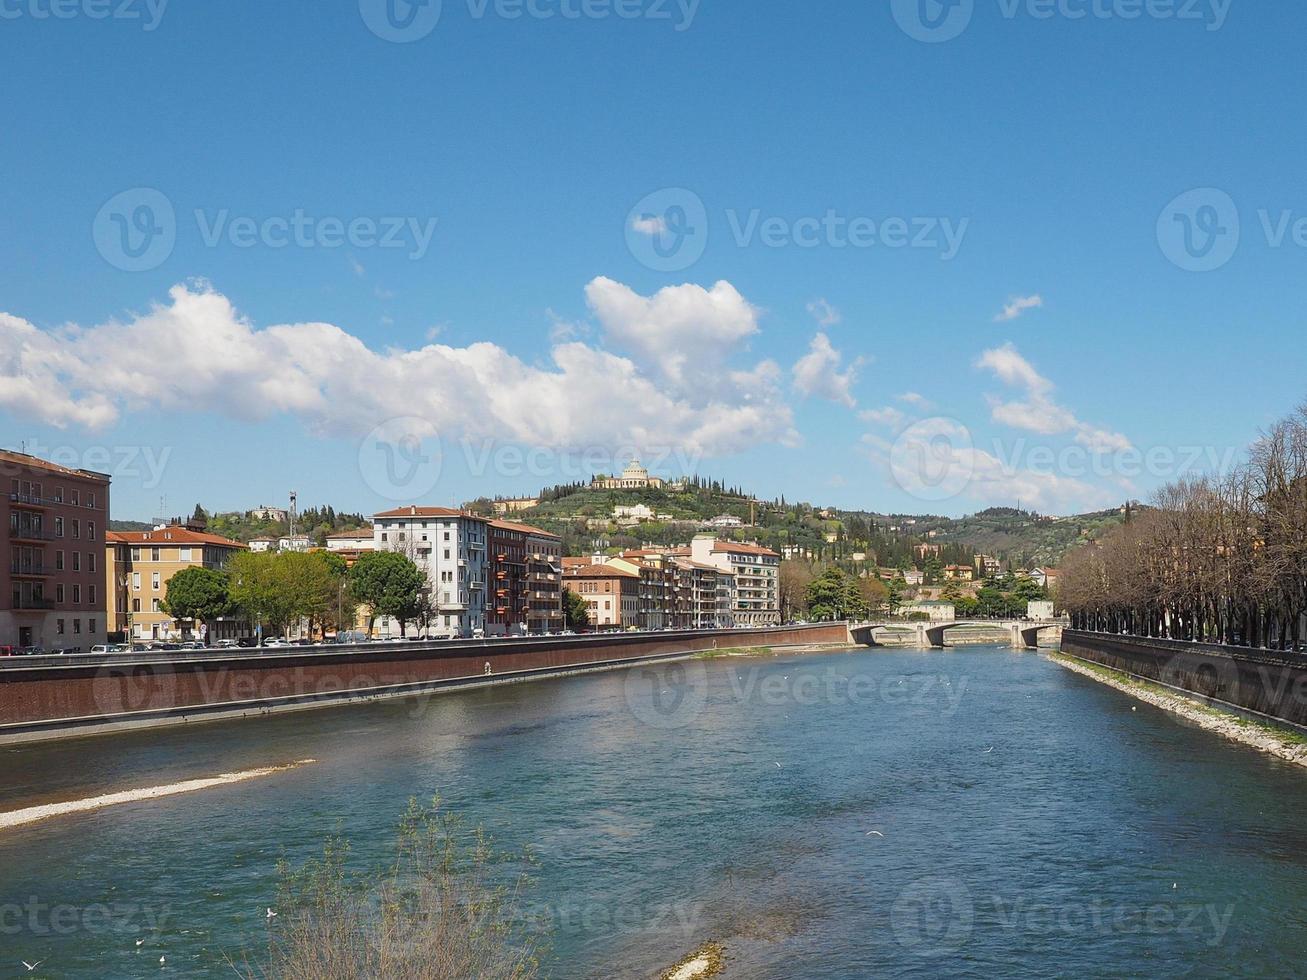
{"points": [[56, 697], [1262, 683]]}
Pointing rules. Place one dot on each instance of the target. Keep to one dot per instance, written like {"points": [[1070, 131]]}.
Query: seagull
{"points": [[32, 966], [1132, 708], [778, 765], [1175, 885], [876, 832], [988, 750], [161, 960], [141, 941], [271, 914]]}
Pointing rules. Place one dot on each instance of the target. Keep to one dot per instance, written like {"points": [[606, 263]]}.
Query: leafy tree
{"points": [[198, 593], [576, 612], [387, 582], [258, 589], [834, 594], [875, 594]]}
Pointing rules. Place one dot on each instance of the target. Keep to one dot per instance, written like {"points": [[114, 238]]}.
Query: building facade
{"points": [[52, 594], [137, 567], [612, 595], [756, 573], [449, 547], [525, 583]]}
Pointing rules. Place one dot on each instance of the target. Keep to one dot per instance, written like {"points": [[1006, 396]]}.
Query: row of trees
{"points": [[1215, 559], [275, 590]]}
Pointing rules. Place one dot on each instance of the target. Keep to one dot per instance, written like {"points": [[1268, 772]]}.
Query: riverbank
{"points": [[1282, 743]]}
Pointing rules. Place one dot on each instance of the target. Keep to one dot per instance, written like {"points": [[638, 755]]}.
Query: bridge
{"points": [[1024, 633]]}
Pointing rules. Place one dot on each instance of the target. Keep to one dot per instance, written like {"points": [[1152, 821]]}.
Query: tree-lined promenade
{"points": [[1221, 559]]}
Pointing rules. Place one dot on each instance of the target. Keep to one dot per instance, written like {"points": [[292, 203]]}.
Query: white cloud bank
{"points": [[817, 373], [667, 375], [1038, 412]]}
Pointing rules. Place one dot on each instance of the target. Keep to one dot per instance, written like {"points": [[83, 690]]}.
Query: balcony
{"points": [[30, 500], [30, 534], [29, 569], [33, 602]]}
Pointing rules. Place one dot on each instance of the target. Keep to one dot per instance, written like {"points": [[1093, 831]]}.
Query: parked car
{"points": [[277, 641]]}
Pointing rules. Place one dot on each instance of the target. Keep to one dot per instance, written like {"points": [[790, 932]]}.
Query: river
{"points": [[977, 811]]}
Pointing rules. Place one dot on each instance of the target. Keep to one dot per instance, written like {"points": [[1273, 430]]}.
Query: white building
{"points": [[638, 513], [938, 611], [265, 513], [261, 544], [449, 547], [634, 477], [757, 579], [359, 539], [724, 522], [1040, 609], [296, 542]]}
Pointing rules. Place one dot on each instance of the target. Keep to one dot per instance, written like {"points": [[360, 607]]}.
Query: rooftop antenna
{"points": [[293, 498]]}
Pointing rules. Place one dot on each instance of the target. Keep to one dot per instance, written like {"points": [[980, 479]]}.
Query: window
{"points": [[136, 554], [90, 530], [77, 595], [90, 626], [58, 527], [136, 581], [184, 554], [77, 561], [154, 605], [90, 597], [136, 605], [59, 594], [59, 499], [90, 561], [59, 626], [154, 554], [77, 528], [76, 498], [90, 502], [154, 581], [58, 561], [77, 626]]}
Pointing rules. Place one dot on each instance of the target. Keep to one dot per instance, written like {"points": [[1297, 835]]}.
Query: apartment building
{"points": [[449, 546], [525, 569], [611, 594], [705, 595], [657, 586], [359, 539], [756, 593], [137, 567], [52, 594]]}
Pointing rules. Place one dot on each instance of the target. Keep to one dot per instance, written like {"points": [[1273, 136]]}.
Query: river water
{"points": [[976, 812]]}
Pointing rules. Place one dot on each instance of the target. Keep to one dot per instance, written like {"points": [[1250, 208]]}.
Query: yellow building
{"points": [[138, 565]]}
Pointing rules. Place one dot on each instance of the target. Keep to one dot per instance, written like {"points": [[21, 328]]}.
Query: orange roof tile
{"points": [[170, 535]]}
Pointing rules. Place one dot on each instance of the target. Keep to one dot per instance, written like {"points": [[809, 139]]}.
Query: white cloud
{"points": [[682, 334], [651, 225], [1039, 412], [888, 416], [914, 399], [1018, 305], [824, 313], [936, 460], [196, 353], [817, 374]]}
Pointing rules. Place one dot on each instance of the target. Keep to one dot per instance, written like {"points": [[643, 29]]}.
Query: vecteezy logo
{"points": [[933, 459], [668, 230], [933, 917], [933, 21], [400, 459], [667, 695], [401, 21], [136, 230], [1199, 230]]}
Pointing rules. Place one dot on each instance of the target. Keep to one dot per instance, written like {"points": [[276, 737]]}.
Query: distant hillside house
{"points": [[724, 522], [261, 544], [939, 612], [515, 505], [634, 477], [265, 513]]}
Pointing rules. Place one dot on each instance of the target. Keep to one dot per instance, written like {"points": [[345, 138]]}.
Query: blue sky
{"points": [[1052, 146]]}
